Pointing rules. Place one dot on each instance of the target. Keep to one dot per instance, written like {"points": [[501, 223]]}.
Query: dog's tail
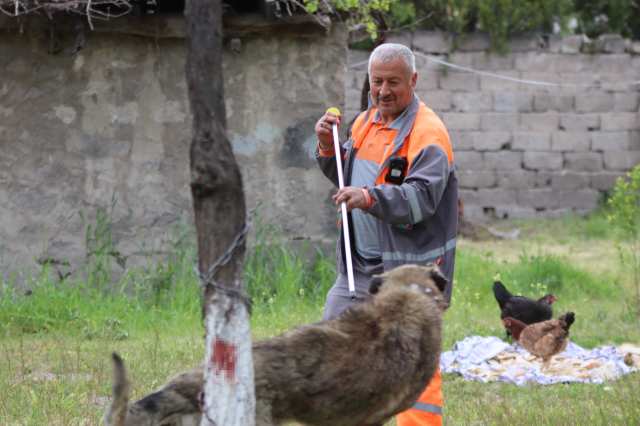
{"points": [[116, 412]]}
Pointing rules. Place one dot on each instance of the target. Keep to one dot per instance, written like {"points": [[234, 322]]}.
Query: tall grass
{"points": [[164, 289]]}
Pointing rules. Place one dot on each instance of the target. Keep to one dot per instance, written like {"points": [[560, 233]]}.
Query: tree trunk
{"points": [[383, 29], [218, 203]]}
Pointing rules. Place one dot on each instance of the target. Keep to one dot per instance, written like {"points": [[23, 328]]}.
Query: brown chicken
{"points": [[544, 339]]}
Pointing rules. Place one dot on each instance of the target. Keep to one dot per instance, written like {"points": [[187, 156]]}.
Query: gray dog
{"points": [[361, 368]]}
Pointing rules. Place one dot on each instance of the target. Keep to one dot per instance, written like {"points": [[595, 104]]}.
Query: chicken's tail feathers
{"points": [[501, 293]]}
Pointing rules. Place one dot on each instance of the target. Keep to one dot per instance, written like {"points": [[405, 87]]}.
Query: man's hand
{"points": [[324, 129], [352, 196]]}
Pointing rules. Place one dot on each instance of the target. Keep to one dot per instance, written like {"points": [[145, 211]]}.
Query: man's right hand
{"points": [[324, 129]]}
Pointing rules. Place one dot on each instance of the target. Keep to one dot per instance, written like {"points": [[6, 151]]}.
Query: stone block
{"points": [[571, 141], [455, 121], [538, 198], [534, 62], [579, 83], [617, 121], [476, 179], [352, 99], [595, 102], [579, 122], [499, 122], [586, 199], [427, 81], [463, 59], [469, 198], [438, 100], [357, 56], [610, 141], [472, 102], [612, 64], [497, 197], [515, 212], [531, 141], [543, 179], [503, 160], [459, 82], [469, 160], [573, 64], [634, 142], [543, 160], [475, 42], [621, 160], [569, 181], [351, 80], [491, 141], [552, 102], [604, 181], [523, 42], [583, 161], [634, 49], [553, 213], [492, 61], [517, 179], [547, 122], [495, 84], [427, 63], [626, 101], [513, 102], [572, 45], [606, 43], [475, 213], [551, 43], [461, 141], [432, 41], [612, 82], [544, 77], [400, 37]]}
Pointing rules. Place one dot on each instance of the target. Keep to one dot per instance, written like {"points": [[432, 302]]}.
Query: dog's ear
{"points": [[440, 280], [375, 284]]}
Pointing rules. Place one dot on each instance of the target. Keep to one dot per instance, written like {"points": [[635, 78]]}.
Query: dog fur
{"points": [[359, 369]]}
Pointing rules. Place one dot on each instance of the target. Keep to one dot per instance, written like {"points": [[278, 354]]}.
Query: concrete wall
{"points": [[523, 150], [116, 122]]}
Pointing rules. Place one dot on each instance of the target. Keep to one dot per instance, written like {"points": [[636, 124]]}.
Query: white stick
{"points": [[345, 221]]}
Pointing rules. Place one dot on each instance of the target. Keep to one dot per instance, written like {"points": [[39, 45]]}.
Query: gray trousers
{"points": [[338, 297]]}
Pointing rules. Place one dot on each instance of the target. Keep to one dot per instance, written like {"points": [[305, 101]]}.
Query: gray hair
{"points": [[389, 52]]}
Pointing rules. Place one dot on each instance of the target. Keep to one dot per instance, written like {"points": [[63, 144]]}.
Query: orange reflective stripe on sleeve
{"points": [[427, 411]]}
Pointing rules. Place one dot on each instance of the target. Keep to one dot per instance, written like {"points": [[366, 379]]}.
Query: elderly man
{"points": [[401, 192]]}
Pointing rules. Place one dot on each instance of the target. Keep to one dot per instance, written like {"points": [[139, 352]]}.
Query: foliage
{"points": [[596, 17], [499, 18], [359, 11], [625, 204]]}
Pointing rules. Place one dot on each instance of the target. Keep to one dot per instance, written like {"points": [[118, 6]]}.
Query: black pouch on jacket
{"points": [[397, 167]]}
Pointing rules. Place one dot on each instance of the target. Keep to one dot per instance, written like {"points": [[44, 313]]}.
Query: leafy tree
{"points": [[625, 204], [597, 17]]}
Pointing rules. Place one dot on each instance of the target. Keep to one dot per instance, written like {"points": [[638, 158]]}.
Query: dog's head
{"points": [[427, 277]]}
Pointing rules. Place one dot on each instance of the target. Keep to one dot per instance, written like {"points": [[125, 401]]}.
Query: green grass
{"points": [[65, 330]]}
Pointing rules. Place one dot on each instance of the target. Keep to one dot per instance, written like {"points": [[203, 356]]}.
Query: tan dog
{"points": [[361, 368]]}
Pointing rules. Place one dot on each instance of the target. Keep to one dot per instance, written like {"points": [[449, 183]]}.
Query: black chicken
{"points": [[523, 309]]}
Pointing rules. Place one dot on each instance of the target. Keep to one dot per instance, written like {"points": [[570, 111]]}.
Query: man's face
{"points": [[391, 87]]}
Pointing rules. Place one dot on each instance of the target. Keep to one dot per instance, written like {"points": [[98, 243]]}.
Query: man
{"points": [[401, 192]]}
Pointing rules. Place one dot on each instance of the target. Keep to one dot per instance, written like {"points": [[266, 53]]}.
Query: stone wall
{"points": [[115, 123], [521, 149]]}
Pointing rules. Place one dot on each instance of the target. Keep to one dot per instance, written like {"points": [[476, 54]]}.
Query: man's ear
{"points": [[440, 280], [375, 284], [414, 80]]}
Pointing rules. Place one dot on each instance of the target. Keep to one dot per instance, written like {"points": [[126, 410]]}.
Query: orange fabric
{"points": [[431, 395], [368, 198], [428, 129], [326, 152]]}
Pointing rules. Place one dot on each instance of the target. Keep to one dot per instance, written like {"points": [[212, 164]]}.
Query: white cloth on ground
{"points": [[489, 359]]}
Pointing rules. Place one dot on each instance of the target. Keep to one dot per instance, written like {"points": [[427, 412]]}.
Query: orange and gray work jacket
{"points": [[413, 191]]}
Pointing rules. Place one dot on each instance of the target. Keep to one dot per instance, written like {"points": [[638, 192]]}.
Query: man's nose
{"points": [[384, 90]]}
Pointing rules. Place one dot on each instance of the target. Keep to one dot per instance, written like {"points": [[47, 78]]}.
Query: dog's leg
{"points": [[116, 412]]}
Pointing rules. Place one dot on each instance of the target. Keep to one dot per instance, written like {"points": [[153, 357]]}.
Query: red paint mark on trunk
{"points": [[224, 357]]}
